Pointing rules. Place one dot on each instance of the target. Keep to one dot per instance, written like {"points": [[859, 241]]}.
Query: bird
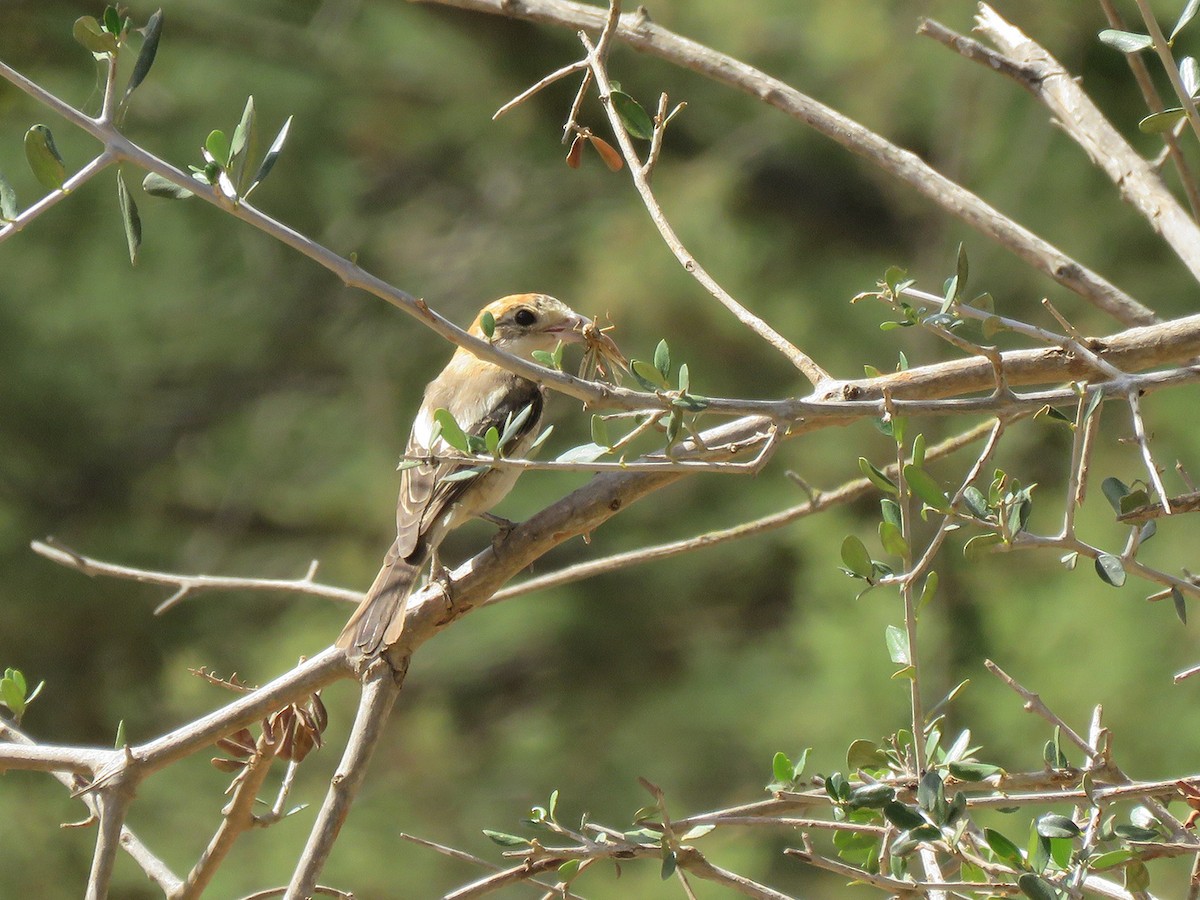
{"points": [[436, 496]]}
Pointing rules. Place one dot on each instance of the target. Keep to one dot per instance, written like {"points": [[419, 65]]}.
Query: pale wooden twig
{"points": [[381, 687], [554, 76], [463, 856], [806, 366]]}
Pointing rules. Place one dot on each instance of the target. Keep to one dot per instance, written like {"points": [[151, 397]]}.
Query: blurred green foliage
{"points": [[228, 407]]}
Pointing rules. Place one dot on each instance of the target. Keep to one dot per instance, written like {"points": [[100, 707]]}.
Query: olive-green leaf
{"points": [[129, 218], [584, 453], [1004, 848], [635, 119], [1136, 833], [452, 432], [8, 200], [1126, 41], [662, 360], [979, 546], [1179, 603], [856, 557], [141, 68], [648, 376], [897, 644], [781, 767], [488, 323], [112, 20], [928, 591], [47, 165], [600, 431], [871, 796], [876, 476], [88, 32], [157, 186], [506, 840], [244, 146], [1110, 570], [863, 754], [491, 441], [1114, 489], [1036, 887], [902, 816], [1052, 825], [268, 162], [926, 488], [668, 861], [1160, 122], [892, 540], [973, 771], [1137, 876], [1110, 860], [976, 502], [1189, 13]]}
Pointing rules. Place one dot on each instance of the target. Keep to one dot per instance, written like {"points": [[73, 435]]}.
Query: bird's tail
{"points": [[379, 619]]}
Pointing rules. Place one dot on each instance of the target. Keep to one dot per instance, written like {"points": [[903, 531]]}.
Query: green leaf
{"points": [[696, 832], [129, 218], [8, 201], [1136, 833], [931, 796], [88, 32], [973, 771], [897, 644], [648, 376], [1134, 499], [1110, 860], [584, 453], [1161, 122], [961, 268], [121, 740], [837, 787], [1189, 74], [217, 145], [662, 360], [112, 20], [928, 591], [976, 503], [918, 451], [491, 441], [141, 68], [569, 869], [1018, 516], [871, 796], [635, 119], [1036, 887], [488, 323], [513, 426], [1126, 41], [1004, 848], [244, 146], [1114, 489], [892, 540], [268, 162], [781, 768], [1052, 825], [862, 754], [600, 431], [1137, 876], [685, 380], [1189, 13], [506, 840], [1180, 605], [890, 510], [452, 432], [13, 696], [923, 486], [902, 816], [47, 165], [1110, 570], [543, 358], [856, 557], [876, 476], [668, 861], [979, 546], [463, 474], [157, 186]]}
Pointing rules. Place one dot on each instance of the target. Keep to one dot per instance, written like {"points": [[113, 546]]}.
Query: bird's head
{"points": [[528, 322]]}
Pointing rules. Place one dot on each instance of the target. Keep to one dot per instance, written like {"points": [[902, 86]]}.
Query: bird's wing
{"points": [[424, 491]]}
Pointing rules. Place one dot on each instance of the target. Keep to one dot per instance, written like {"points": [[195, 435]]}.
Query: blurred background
{"points": [[228, 407]]}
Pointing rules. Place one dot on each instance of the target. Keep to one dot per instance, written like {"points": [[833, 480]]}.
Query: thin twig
{"points": [[816, 375], [381, 687]]}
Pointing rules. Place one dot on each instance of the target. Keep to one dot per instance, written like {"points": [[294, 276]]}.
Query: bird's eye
{"points": [[525, 317]]}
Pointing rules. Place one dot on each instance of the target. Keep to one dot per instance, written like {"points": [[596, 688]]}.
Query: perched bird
{"points": [[479, 395]]}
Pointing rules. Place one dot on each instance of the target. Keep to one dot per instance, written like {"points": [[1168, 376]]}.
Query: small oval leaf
{"points": [[47, 165]]}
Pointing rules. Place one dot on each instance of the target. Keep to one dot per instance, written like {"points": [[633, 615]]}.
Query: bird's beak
{"points": [[572, 330]]}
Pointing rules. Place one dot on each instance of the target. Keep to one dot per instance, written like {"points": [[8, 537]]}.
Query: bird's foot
{"points": [[504, 526]]}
